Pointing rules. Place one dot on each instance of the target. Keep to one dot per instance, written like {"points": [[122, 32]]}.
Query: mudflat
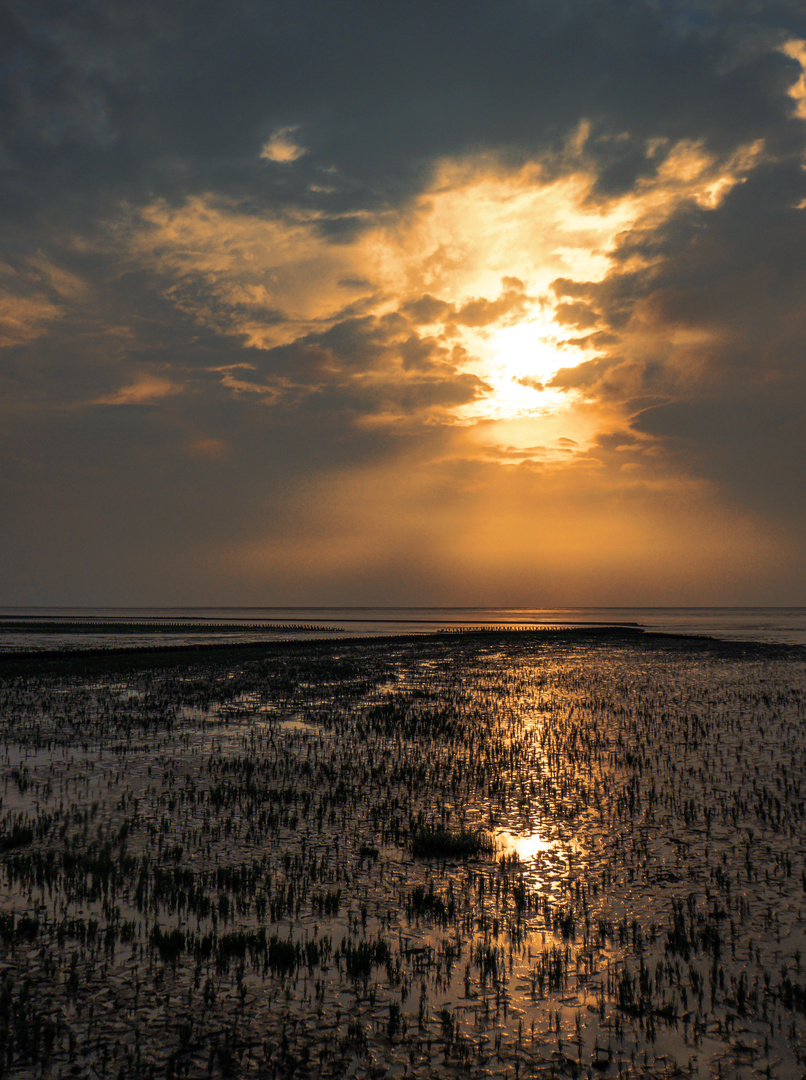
{"points": [[571, 853]]}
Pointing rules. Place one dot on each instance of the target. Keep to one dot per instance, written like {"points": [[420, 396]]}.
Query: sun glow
{"points": [[518, 362], [525, 352], [524, 359]]}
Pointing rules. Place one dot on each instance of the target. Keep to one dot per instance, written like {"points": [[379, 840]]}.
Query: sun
{"points": [[525, 353], [518, 361]]}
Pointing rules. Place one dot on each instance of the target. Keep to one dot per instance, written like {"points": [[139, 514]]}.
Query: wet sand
{"points": [[571, 853]]}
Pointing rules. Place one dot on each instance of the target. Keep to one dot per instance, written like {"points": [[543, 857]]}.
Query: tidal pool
{"points": [[209, 868]]}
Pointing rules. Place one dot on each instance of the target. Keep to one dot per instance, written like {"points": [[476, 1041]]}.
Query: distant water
{"points": [[68, 627]]}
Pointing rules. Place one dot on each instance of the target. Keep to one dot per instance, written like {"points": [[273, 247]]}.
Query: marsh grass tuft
{"points": [[441, 843]]}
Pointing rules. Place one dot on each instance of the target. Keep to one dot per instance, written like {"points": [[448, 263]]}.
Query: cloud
{"points": [[23, 318], [281, 147], [376, 369], [473, 255], [512, 302], [796, 50], [34, 294], [264, 278], [147, 389], [382, 303]]}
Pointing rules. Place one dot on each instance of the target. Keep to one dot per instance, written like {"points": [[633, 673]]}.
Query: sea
{"points": [[72, 628]]}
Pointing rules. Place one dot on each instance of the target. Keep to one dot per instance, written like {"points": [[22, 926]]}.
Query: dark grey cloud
{"points": [[754, 449], [171, 99], [722, 385], [370, 366]]}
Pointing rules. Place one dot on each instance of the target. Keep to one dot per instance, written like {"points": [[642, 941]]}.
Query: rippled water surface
{"points": [[472, 856]]}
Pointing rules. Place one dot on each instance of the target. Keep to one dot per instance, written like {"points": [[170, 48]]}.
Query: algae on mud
{"points": [[208, 867]]}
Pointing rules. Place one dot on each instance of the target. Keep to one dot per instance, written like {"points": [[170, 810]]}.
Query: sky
{"points": [[397, 302]]}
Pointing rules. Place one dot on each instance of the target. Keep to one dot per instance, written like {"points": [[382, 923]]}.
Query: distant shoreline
{"points": [[119, 626], [33, 661], [68, 627]]}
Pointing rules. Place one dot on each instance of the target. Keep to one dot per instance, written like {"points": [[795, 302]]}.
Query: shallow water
{"points": [[209, 869], [65, 627]]}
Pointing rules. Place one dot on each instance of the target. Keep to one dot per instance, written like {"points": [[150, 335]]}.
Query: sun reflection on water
{"points": [[526, 847]]}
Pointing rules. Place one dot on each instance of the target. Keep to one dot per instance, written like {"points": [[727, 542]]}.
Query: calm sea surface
{"points": [[76, 628]]}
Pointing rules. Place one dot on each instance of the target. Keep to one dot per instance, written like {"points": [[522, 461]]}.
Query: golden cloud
{"points": [[144, 391], [24, 318], [281, 147], [466, 270], [33, 297], [796, 50]]}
